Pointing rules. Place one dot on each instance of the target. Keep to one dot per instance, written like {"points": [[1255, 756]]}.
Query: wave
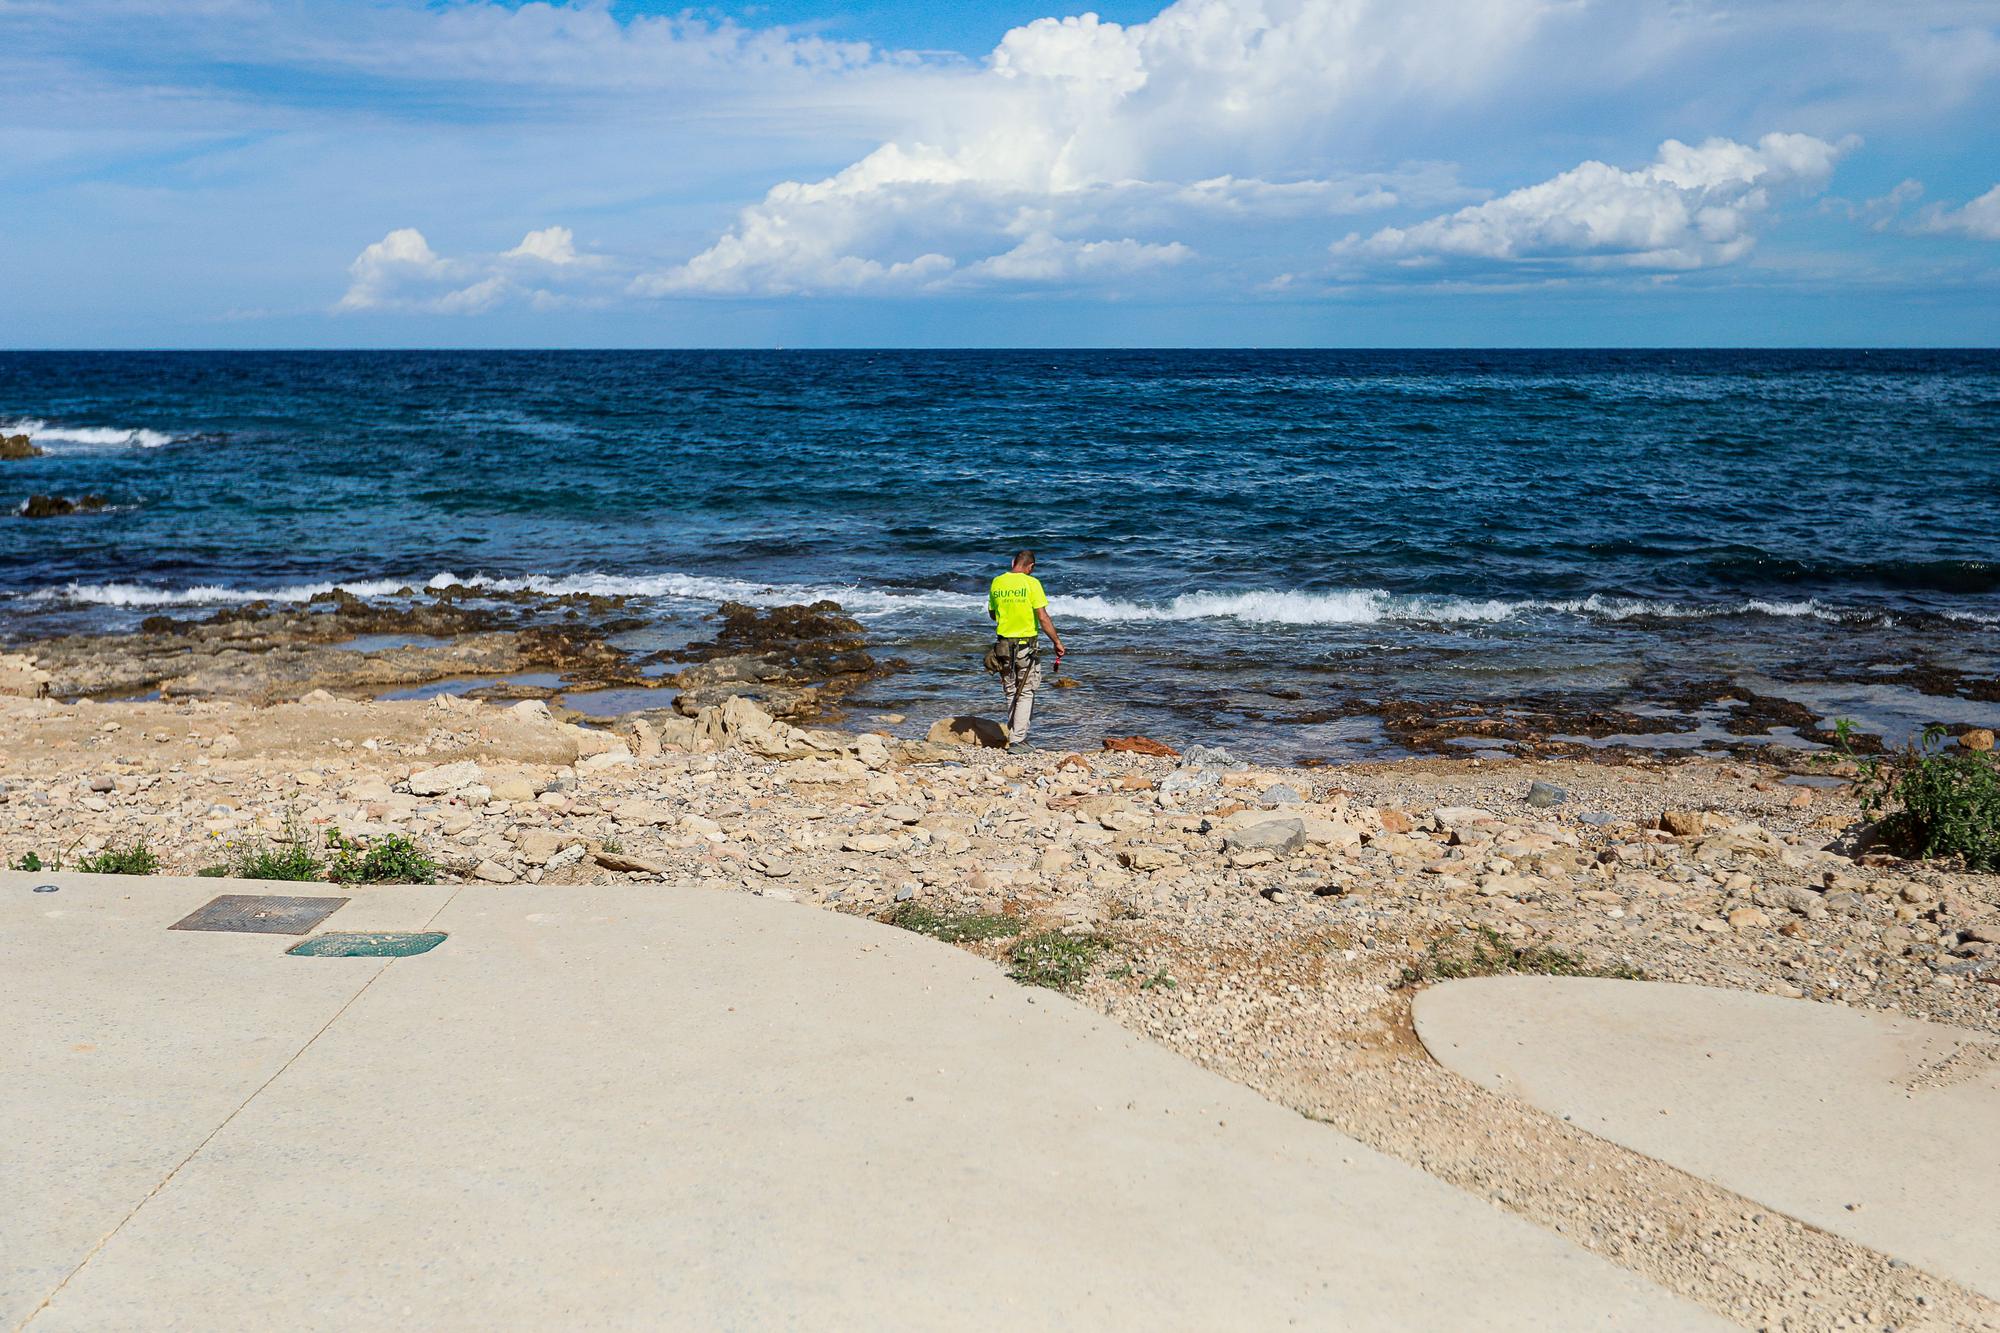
{"points": [[1352, 606], [53, 438]]}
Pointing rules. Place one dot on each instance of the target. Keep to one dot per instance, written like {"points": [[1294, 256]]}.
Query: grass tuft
{"points": [[953, 927], [1055, 959], [133, 860], [1485, 954]]}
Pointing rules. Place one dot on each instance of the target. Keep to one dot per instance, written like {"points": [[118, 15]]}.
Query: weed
{"points": [[1485, 954], [1054, 959], [31, 862], [613, 845], [133, 860], [1159, 979], [1950, 802], [213, 872], [953, 927], [263, 861], [390, 860]]}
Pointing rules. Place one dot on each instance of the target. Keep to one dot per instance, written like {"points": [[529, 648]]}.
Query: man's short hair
{"points": [[1024, 557]]}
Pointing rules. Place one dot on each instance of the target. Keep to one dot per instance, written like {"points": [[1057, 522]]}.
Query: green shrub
{"points": [[391, 860], [953, 927], [33, 861], [133, 860], [264, 861], [1950, 800], [1055, 959]]}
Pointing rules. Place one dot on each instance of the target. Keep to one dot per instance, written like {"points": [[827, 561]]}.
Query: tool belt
{"points": [[1014, 654]]}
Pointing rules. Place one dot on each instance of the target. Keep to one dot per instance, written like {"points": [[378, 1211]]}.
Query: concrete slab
{"points": [[642, 1108], [126, 1045], [1882, 1129]]}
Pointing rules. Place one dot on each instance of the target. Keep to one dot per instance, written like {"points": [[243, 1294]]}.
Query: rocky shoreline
{"points": [[1269, 922]]}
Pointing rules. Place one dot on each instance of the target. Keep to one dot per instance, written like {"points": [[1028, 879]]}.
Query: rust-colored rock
{"points": [[1979, 738], [1076, 761], [1394, 820], [1141, 745], [1682, 823]]}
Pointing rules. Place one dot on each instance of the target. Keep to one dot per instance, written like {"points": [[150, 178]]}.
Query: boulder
{"points": [[1979, 738], [1461, 816], [13, 447], [21, 678], [443, 779], [1683, 823], [55, 506], [1280, 837], [494, 873], [1544, 795], [973, 731], [538, 846]]}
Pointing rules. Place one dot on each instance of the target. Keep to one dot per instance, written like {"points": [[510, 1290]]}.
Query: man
{"points": [[1020, 611]]}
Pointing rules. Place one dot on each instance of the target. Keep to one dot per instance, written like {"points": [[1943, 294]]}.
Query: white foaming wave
{"points": [[689, 587], [46, 436], [1351, 606], [138, 594]]}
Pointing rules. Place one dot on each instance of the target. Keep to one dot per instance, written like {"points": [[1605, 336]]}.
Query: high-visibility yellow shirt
{"points": [[1013, 600]]}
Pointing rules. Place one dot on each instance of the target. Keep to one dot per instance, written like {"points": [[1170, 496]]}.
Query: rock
{"points": [[626, 863], [1211, 756], [1280, 794], [516, 791], [1461, 816], [443, 779], [591, 741], [56, 506], [1682, 823], [616, 757], [1141, 745], [645, 741], [641, 812], [1182, 782], [539, 846], [494, 873], [1331, 833], [103, 784], [1280, 837], [1979, 738], [16, 447], [1543, 795], [20, 678], [1394, 820], [1747, 918], [1076, 761], [973, 731], [900, 814], [872, 843]]}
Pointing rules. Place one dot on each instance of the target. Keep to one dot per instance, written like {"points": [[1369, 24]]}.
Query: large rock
{"points": [[974, 731], [21, 678], [1281, 837], [18, 446], [1979, 738], [443, 779], [55, 506]]}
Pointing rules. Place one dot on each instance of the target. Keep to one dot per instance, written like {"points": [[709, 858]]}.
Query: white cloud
{"points": [[1045, 258], [1694, 206], [550, 245], [402, 272], [1979, 218], [1076, 120]]}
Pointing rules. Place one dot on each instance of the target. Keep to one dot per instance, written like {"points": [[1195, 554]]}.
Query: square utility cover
{"points": [[260, 913]]}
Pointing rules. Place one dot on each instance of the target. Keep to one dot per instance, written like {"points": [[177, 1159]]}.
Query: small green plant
{"points": [[1158, 980], [1485, 954], [1950, 802], [953, 927], [30, 862], [390, 860], [264, 861], [1055, 959], [133, 860], [613, 845], [213, 872]]}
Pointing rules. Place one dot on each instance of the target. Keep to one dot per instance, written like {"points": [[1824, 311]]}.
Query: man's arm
{"points": [[1049, 628]]}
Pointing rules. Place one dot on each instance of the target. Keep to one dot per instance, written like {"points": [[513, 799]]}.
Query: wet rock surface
{"points": [[795, 661], [58, 506], [16, 447]]}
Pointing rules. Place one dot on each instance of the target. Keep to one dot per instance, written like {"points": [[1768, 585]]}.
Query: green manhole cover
{"points": [[368, 944]]}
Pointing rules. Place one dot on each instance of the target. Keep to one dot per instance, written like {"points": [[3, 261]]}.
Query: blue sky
{"points": [[277, 173]]}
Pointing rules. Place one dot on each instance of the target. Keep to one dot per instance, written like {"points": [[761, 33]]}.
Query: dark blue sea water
{"points": [[1234, 540]]}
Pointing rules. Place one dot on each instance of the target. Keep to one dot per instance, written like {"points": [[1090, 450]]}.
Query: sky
{"points": [[390, 173]]}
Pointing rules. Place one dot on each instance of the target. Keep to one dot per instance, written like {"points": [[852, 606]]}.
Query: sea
{"points": [[1248, 548]]}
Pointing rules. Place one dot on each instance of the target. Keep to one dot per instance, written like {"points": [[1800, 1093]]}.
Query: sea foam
{"points": [[53, 438]]}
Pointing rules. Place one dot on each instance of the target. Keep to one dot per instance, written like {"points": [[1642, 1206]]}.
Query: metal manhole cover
{"points": [[368, 944], [260, 913]]}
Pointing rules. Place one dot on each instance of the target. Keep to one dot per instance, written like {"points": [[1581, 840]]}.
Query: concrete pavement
{"points": [[1880, 1128], [651, 1107]]}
